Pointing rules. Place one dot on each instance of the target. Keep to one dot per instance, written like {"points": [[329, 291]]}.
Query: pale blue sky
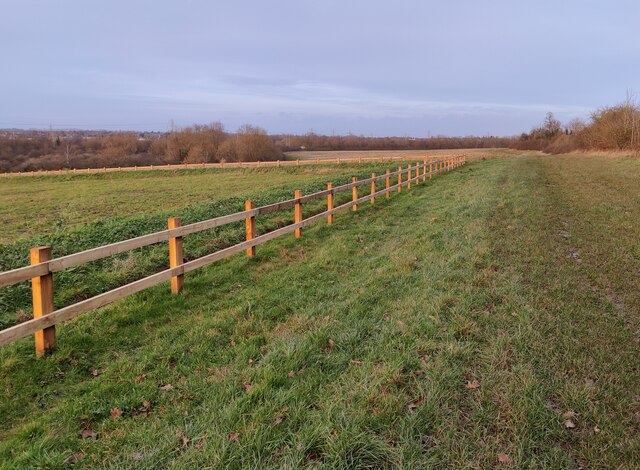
{"points": [[368, 67]]}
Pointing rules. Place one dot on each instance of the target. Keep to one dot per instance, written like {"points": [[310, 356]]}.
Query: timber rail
{"points": [[42, 267]]}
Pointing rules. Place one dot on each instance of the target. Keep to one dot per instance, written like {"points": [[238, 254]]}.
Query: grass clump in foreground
{"points": [[449, 327]]}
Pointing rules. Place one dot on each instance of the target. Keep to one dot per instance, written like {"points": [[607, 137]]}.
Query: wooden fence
{"points": [[42, 267], [199, 166]]}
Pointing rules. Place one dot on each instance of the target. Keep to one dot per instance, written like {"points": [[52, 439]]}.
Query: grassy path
{"points": [[465, 319]]}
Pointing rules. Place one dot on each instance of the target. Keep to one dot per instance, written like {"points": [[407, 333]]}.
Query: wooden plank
{"points": [[373, 187], [250, 228], [399, 179], [298, 212], [387, 185], [176, 257], [354, 195], [329, 203], [42, 297]]}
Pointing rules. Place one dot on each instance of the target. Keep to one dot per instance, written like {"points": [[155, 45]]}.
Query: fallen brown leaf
{"points": [[94, 372], [234, 436], [412, 405], [291, 374], [140, 378], [355, 362], [115, 413], [568, 424], [504, 458], [329, 347], [136, 456], [247, 387], [280, 417], [471, 385], [74, 458], [167, 387], [89, 434]]}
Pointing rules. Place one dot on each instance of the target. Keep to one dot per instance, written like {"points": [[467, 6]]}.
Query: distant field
{"points": [[41, 205], [489, 318], [472, 153]]}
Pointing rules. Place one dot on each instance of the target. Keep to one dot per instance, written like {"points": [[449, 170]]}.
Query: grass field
{"points": [[489, 318], [332, 154], [44, 204]]}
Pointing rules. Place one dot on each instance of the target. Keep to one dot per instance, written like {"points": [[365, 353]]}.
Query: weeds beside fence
{"points": [[42, 267]]}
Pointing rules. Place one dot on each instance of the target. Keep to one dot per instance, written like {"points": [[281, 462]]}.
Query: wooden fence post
{"points": [[424, 171], [42, 297], [373, 187], [399, 179], [354, 194], [297, 214], [430, 170], [250, 228], [175, 255], [417, 173], [330, 203], [409, 176], [298, 162], [387, 185]]}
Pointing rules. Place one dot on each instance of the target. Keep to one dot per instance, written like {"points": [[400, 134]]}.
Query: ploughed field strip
{"points": [[486, 316]]}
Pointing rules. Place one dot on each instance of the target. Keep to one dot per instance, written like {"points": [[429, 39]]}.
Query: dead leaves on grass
{"points": [[569, 417], [89, 434], [472, 385], [414, 404], [329, 347]]}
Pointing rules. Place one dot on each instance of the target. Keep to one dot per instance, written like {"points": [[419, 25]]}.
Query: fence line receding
{"points": [[42, 267]]}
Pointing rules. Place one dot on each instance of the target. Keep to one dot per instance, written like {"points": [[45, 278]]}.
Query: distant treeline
{"points": [[609, 128], [317, 142], [41, 150]]}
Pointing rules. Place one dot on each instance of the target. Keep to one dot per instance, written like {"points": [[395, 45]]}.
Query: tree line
{"points": [[609, 128]]}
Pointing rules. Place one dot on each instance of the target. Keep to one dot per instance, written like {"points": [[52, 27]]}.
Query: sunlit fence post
{"points": [[354, 194], [42, 297], [330, 203], [175, 255], [250, 228], [373, 187], [387, 185], [297, 214]]}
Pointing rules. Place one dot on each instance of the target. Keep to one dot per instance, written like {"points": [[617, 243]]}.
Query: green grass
{"points": [[41, 205], [468, 278]]}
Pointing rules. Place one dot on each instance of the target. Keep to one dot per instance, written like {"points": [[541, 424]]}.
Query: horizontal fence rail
{"points": [[218, 165], [40, 272]]}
